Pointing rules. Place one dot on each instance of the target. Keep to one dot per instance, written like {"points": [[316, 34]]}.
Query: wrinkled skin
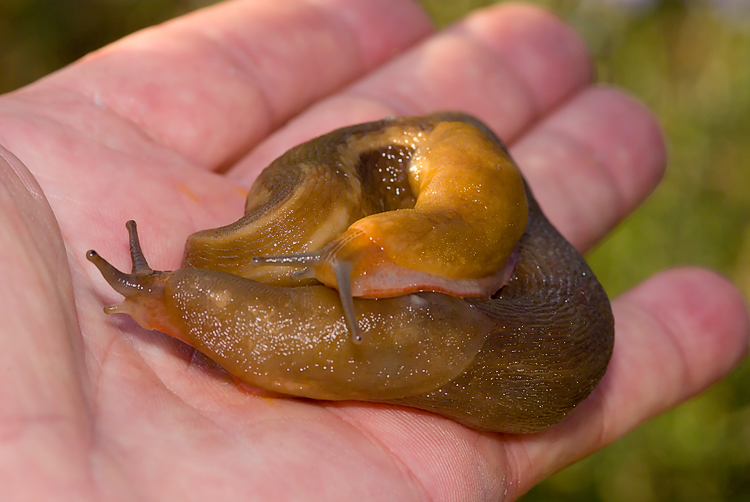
{"points": [[95, 408]]}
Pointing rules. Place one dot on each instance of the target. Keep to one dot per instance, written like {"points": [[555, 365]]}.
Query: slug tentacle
{"points": [[123, 283], [140, 265], [342, 272], [402, 261], [290, 260]]}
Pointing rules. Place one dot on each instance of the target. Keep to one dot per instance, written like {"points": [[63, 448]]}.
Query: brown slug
{"points": [[402, 261]]}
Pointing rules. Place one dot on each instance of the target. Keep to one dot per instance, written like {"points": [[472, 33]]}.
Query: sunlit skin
{"points": [[95, 407]]}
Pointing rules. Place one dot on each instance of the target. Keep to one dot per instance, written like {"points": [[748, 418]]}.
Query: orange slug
{"points": [[402, 261]]}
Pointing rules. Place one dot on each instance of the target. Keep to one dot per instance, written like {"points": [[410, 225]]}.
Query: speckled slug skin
{"points": [[401, 261]]}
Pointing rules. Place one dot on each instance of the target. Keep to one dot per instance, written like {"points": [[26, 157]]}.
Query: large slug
{"points": [[402, 261]]}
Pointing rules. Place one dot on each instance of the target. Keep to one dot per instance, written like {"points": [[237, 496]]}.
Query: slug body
{"points": [[402, 261]]}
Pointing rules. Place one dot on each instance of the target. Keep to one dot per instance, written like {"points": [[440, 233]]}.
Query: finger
{"points": [[676, 334], [508, 65], [592, 162], [44, 418], [211, 84]]}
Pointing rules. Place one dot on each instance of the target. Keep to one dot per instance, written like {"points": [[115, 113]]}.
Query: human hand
{"points": [[95, 407]]}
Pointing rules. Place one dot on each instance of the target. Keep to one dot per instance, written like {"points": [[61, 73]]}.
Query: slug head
{"points": [[143, 288]]}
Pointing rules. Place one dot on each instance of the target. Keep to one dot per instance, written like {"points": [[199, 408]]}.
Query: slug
{"points": [[403, 261]]}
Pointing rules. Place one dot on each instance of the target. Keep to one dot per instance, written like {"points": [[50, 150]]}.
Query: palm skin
{"points": [[170, 126]]}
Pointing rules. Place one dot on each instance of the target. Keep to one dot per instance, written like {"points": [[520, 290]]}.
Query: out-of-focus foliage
{"points": [[687, 60], [40, 36]]}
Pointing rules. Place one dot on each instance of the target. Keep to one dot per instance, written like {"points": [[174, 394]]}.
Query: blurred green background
{"points": [[689, 61]]}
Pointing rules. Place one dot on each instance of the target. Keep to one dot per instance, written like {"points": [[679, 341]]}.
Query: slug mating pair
{"points": [[421, 218], [417, 239]]}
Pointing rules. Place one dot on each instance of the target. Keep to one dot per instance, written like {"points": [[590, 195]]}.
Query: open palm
{"points": [[169, 127]]}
